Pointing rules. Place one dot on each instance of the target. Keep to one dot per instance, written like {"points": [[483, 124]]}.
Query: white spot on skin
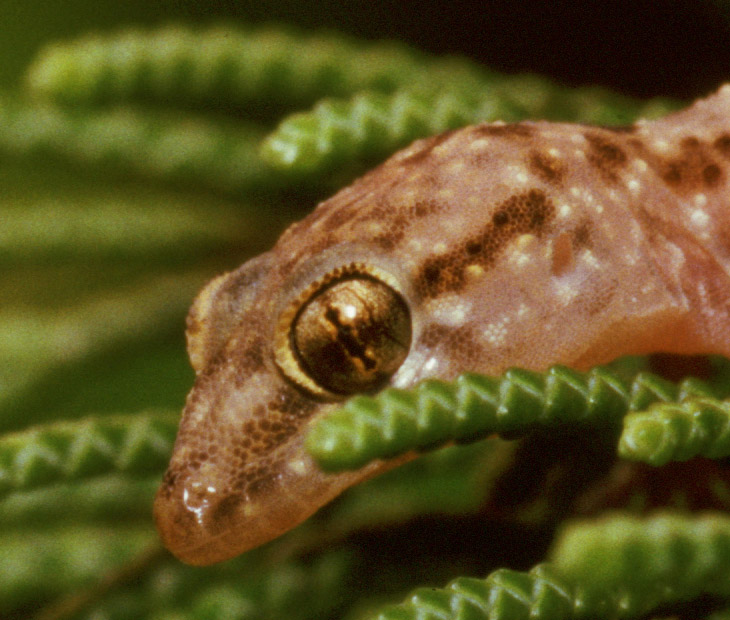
{"points": [[452, 314], [700, 201], [521, 178], [373, 229], [641, 165], [634, 186], [579, 154], [700, 218], [565, 291], [575, 191], [298, 466], [521, 255], [455, 167], [446, 193], [590, 259], [480, 144], [523, 311], [415, 368], [430, 365], [495, 333], [577, 138], [475, 271], [565, 211], [661, 145], [349, 311], [440, 248], [553, 152]]}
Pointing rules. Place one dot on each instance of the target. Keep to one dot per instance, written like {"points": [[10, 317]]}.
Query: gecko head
{"points": [[270, 360]]}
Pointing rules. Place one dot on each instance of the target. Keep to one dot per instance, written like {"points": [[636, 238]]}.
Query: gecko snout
{"points": [[202, 525]]}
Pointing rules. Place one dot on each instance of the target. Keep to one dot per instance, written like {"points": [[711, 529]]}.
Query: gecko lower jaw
{"points": [[202, 525]]}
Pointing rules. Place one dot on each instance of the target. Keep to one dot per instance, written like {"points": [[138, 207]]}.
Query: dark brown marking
{"points": [[711, 175], [388, 241], [722, 144], [460, 340], [248, 360], [672, 174], [426, 148], [582, 236], [546, 167], [563, 258], [501, 131], [692, 170], [520, 214], [396, 220], [605, 156], [225, 509]]}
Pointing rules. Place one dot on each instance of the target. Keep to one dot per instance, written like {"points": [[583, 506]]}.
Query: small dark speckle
{"points": [[672, 175], [582, 235], [711, 175], [226, 508], [546, 167], [690, 142], [517, 130], [605, 156], [426, 148], [722, 144], [500, 218]]}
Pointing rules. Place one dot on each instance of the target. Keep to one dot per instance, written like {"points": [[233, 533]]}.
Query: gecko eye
{"points": [[348, 332]]}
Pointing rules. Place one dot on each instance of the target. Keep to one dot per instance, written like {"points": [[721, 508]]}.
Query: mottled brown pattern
{"points": [[582, 235], [460, 339], [251, 358], [546, 167], [396, 220], [606, 156], [426, 148], [523, 213], [722, 144], [519, 130], [692, 169]]}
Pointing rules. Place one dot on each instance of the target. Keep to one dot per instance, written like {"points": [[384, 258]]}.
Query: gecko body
{"points": [[492, 246]]}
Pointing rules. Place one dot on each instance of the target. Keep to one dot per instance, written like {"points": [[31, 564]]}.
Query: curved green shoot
{"points": [[474, 406], [677, 432], [137, 444]]}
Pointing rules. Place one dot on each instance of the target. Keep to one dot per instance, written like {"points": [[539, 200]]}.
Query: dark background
{"points": [[641, 47]]}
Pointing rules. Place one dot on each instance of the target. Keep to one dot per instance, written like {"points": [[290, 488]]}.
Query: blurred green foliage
{"points": [[121, 194]]}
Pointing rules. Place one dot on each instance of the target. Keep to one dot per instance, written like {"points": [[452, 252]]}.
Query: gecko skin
{"points": [[492, 246]]}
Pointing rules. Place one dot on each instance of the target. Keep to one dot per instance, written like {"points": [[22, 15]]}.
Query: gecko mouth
{"points": [[203, 524]]}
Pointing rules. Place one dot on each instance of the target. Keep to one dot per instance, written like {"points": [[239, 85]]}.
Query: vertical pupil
{"points": [[352, 335]]}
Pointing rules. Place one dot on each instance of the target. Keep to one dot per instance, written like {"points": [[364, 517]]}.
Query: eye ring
{"points": [[347, 332]]}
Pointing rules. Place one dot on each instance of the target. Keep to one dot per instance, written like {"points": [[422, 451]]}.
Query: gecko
{"points": [[492, 246]]}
